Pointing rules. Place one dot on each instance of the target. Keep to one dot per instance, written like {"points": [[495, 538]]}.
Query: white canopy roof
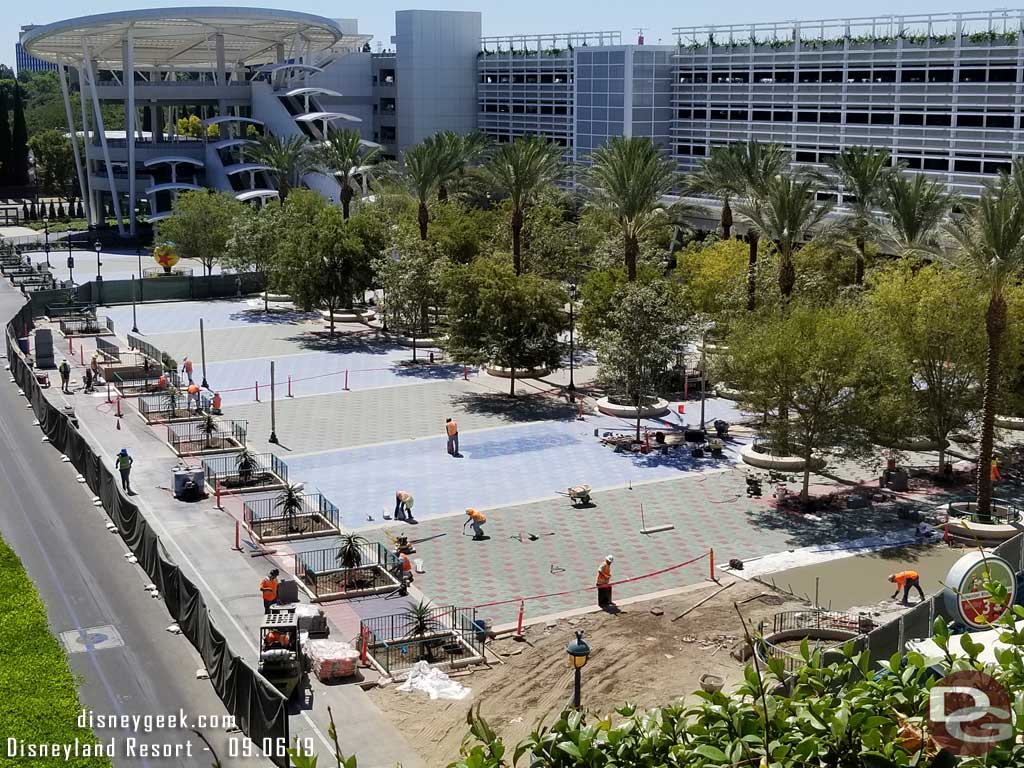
{"points": [[231, 170], [171, 186], [254, 194], [231, 119], [173, 159], [269, 69], [181, 37], [312, 92], [160, 216], [226, 143], [309, 117]]}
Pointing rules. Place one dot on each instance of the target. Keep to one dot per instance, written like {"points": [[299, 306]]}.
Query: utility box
{"points": [[44, 348], [287, 591], [189, 484]]}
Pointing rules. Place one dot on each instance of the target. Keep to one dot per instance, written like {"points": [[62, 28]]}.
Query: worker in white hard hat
{"points": [[604, 579]]}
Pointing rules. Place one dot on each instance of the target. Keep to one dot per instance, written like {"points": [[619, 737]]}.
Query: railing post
{"points": [[712, 553]]}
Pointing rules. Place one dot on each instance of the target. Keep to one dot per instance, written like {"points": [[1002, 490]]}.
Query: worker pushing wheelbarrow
{"points": [[579, 495]]}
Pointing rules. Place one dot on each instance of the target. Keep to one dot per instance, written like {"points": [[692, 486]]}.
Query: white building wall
{"points": [[350, 76]]}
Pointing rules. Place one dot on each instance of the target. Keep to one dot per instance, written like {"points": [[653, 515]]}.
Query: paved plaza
{"points": [[115, 265]]}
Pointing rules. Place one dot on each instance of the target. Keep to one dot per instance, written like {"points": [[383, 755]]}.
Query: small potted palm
{"points": [[208, 428], [246, 466], [290, 502], [350, 554], [422, 623]]}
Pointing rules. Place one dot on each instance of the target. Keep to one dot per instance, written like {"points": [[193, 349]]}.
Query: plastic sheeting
{"points": [[259, 708], [433, 682]]}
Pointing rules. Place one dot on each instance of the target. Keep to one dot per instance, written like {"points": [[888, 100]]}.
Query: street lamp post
{"points": [[572, 345], [273, 409], [138, 255], [579, 653], [135, 321], [46, 237], [99, 248]]}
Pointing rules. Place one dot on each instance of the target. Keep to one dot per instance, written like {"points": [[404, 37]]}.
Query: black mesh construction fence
{"points": [[259, 708]]}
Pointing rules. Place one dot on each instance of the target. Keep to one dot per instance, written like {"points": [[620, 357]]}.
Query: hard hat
{"points": [[124, 450], [892, 577], [610, 558]]}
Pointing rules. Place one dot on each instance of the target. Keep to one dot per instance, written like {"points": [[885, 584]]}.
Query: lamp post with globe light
{"points": [[579, 654]]}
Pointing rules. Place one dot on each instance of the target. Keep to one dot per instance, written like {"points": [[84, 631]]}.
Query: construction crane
{"points": [[639, 34]]}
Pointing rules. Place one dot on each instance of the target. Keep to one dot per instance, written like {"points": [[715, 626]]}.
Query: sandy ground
{"points": [[638, 657]]}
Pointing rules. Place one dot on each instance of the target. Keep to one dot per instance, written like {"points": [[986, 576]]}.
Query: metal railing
{"points": [[190, 437], [267, 519], [80, 326], [322, 572], [108, 349], [151, 350], [139, 379], [1002, 513], [818, 619], [56, 311], [265, 470], [444, 635], [158, 407]]}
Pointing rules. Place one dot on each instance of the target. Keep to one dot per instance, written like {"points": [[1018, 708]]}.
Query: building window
{"points": [[967, 166], [912, 76], [936, 164], [972, 75], [999, 121], [939, 118], [969, 121], [1002, 75], [808, 76], [940, 75], [911, 118], [882, 118]]}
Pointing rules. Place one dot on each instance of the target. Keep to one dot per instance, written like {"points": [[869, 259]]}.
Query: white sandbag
{"points": [[433, 682]]}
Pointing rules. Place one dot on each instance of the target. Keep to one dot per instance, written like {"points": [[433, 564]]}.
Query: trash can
{"points": [[189, 484]]}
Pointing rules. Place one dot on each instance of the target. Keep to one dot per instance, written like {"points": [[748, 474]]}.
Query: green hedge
{"points": [[39, 702]]}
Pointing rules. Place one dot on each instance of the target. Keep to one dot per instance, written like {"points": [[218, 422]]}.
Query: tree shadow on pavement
{"points": [[523, 408], [323, 341], [826, 527], [427, 372], [276, 316]]}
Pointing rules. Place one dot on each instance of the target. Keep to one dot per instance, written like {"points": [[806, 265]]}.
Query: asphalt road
{"points": [[88, 588]]}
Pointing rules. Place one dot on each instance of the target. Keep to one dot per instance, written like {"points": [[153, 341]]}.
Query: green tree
{"points": [[55, 164], [500, 318], [640, 341], [718, 176], [253, 244], [410, 273], [19, 142], [520, 171], [420, 177], [200, 225], [932, 319], [989, 244], [628, 180], [455, 153], [320, 255], [5, 139], [916, 207], [601, 292], [784, 210], [862, 172], [713, 279], [289, 159], [824, 364], [345, 156]]}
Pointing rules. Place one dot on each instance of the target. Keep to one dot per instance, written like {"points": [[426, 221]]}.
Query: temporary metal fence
{"points": [[133, 381], [163, 406], [109, 321], [55, 311], [443, 635], [232, 473], [108, 349], [323, 573], [79, 326], [818, 619], [191, 437], [1001, 512], [268, 519]]}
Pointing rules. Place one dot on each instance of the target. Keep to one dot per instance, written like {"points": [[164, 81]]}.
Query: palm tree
{"points": [[289, 160], [344, 155], [350, 553], [989, 243], [719, 176], [628, 181], [422, 177], [753, 165], [246, 465], [421, 622], [917, 208], [783, 210], [171, 401], [519, 171], [455, 152], [863, 172], [291, 503]]}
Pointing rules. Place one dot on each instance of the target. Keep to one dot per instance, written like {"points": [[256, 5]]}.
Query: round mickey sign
{"points": [[966, 596]]}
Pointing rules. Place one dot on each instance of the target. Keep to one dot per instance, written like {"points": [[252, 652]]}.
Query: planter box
{"points": [[653, 408], [969, 531], [769, 461], [521, 373], [1010, 422]]}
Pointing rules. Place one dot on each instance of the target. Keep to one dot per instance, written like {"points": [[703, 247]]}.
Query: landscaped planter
{"points": [[919, 444], [275, 297], [521, 373], [651, 408], [342, 316], [1010, 422], [408, 341], [758, 456], [962, 527], [727, 393]]}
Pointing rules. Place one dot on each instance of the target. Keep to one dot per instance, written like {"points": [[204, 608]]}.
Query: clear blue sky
{"points": [[502, 17]]}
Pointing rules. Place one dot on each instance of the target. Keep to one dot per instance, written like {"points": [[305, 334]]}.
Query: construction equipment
{"points": [[281, 660], [579, 495]]}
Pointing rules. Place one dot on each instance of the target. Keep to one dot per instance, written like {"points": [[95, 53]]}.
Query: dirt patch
{"points": [[639, 656]]}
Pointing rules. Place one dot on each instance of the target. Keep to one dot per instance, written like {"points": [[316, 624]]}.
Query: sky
{"points": [[506, 17]]}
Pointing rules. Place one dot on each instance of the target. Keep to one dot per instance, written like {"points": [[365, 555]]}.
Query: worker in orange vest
{"points": [[406, 567], [193, 394], [906, 580], [995, 471], [452, 428], [161, 383], [268, 588], [476, 520], [186, 368], [275, 639], [215, 405], [604, 579]]}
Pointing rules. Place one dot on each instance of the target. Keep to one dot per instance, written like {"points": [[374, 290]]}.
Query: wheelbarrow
{"points": [[579, 495]]}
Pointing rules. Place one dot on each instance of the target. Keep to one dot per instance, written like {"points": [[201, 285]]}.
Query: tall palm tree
{"points": [[290, 501], [289, 160], [916, 208], [628, 180], [519, 171], [783, 211], [989, 243], [344, 155], [754, 165], [718, 176], [456, 152], [863, 172], [350, 553], [422, 177]]}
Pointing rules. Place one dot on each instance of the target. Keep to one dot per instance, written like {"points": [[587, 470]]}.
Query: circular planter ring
{"points": [[728, 394], [653, 409], [521, 373], [770, 461], [968, 531], [342, 317], [407, 341], [1010, 422], [919, 444], [280, 297]]}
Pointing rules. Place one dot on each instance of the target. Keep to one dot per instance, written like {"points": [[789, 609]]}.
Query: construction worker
{"points": [[215, 405], [186, 368], [604, 579], [65, 375], [124, 466], [193, 394], [906, 580], [88, 381], [275, 639], [406, 567], [268, 588], [996, 477], [162, 382], [452, 429], [476, 520], [403, 506]]}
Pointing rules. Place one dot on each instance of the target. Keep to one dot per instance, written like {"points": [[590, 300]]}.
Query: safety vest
{"points": [[124, 461], [193, 389], [406, 563], [269, 589], [476, 516], [604, 574], [452, 428], [902, 578], [188, 366], [161, 383], [216, 402], [65, 369], [276, 638]]}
